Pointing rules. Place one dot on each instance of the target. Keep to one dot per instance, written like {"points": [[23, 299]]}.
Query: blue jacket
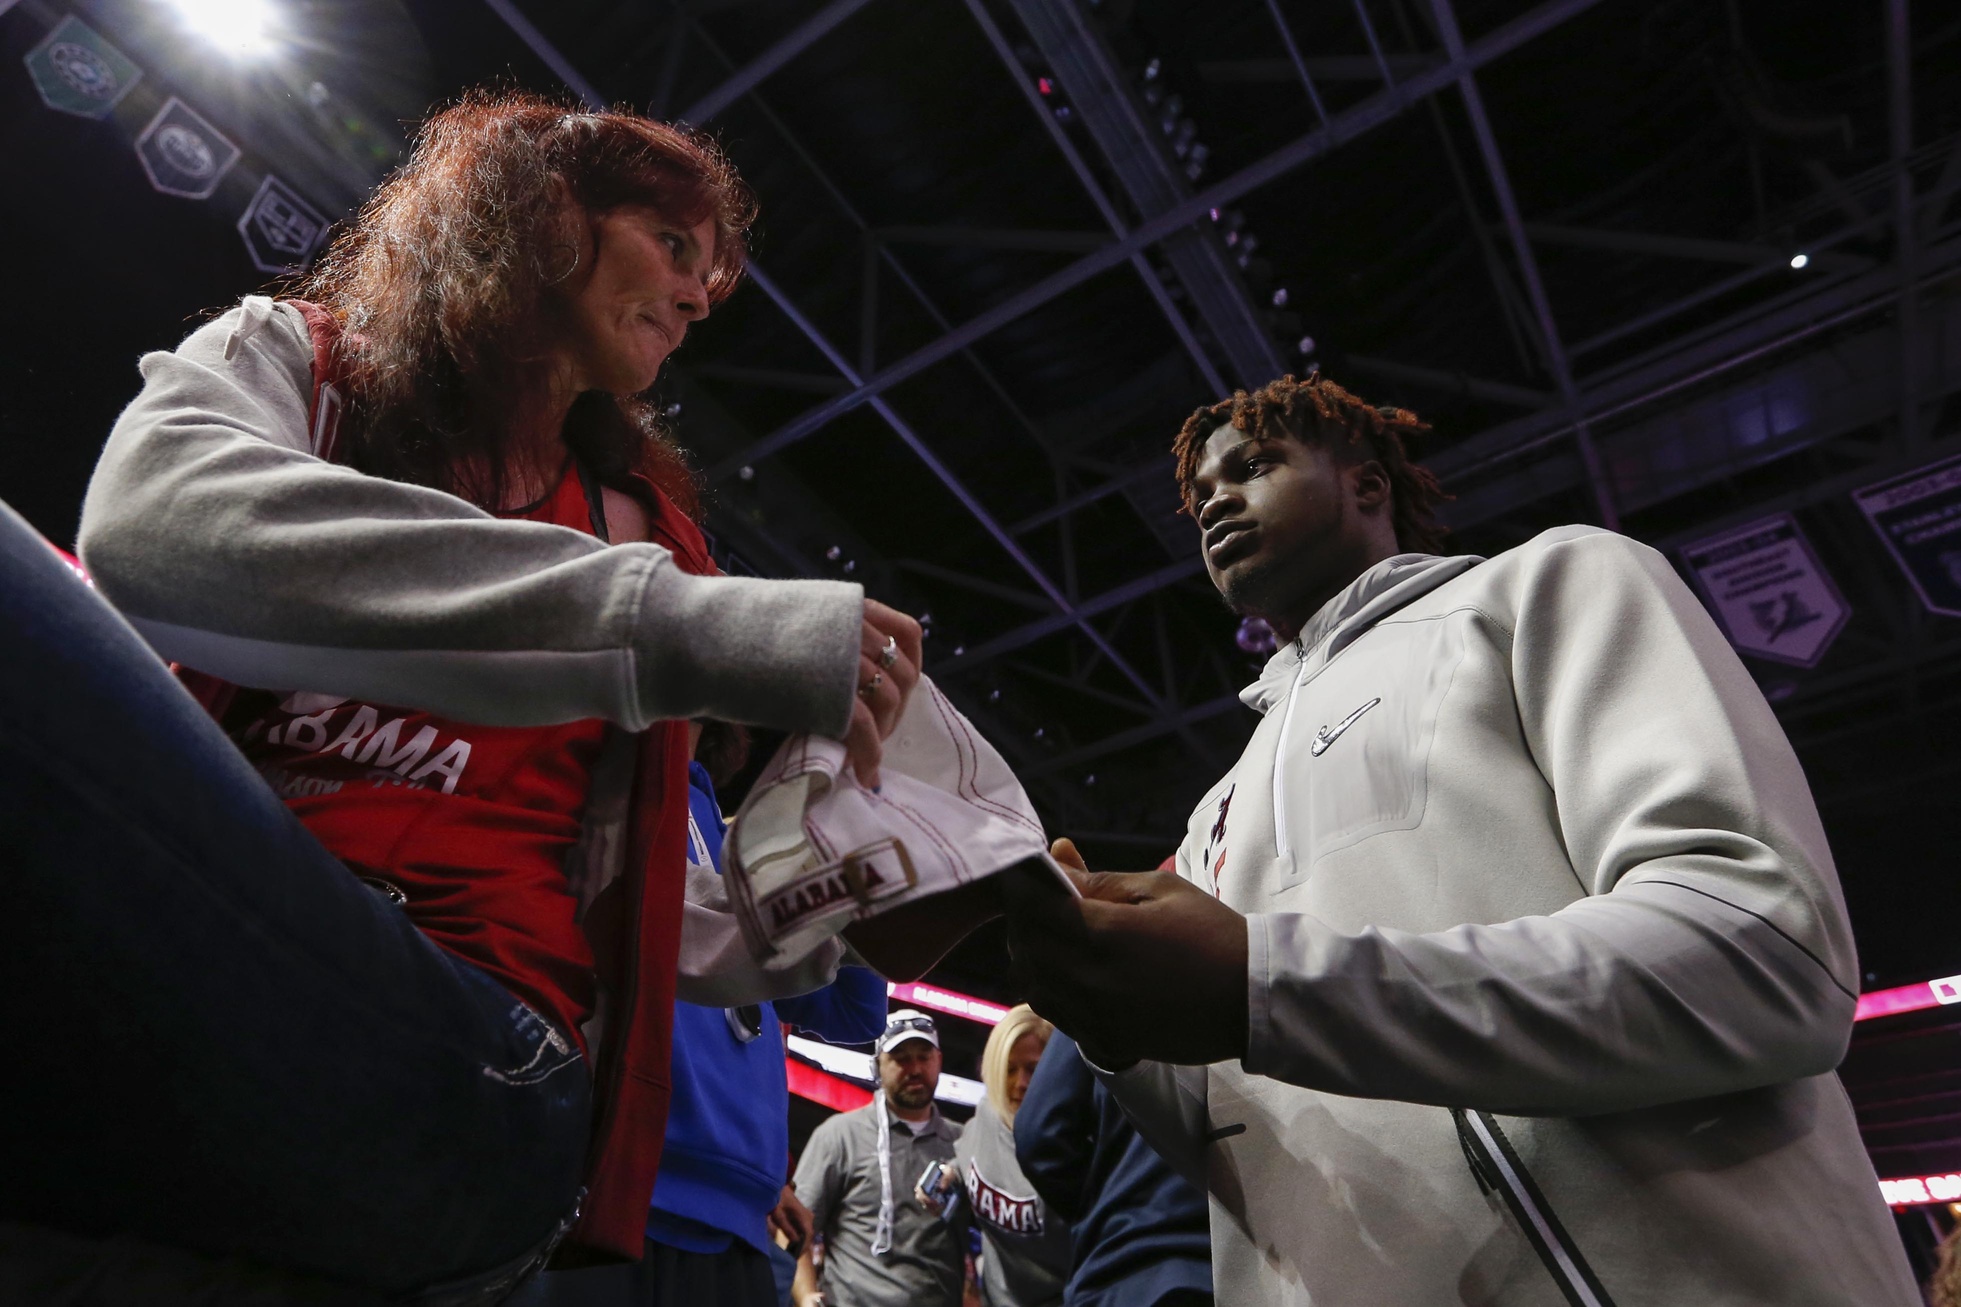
{"points": [[728, 1124], [1139, 1229]]}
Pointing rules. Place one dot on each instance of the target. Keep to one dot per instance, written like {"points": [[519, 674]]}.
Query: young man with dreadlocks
{"points": [[1508, 966]]}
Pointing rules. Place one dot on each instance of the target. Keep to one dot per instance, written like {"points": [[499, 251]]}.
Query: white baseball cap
{"points": [[904, 1024], [811, 850]]}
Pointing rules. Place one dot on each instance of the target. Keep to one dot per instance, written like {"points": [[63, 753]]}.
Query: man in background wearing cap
{"points": [[881, 1247]]}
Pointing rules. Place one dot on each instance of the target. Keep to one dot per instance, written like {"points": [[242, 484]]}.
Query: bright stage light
{"points": [[239, 27], [1799, 260]]}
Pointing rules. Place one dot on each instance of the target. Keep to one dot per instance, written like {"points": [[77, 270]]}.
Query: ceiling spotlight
{"points": [[747, 473], [1800, 259], [239, 27], [1280, 298], [959, 649], [1045, 86], [1152, 69], [1090, 779], [850, 565], [834, 553], [1040, 732], [1305, 345], [994, 696]]}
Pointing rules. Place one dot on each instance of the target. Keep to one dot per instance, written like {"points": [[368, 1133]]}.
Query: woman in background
{"points": [[1024, 1246]]}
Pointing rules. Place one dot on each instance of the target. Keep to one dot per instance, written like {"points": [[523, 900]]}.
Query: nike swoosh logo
{"points": [[1327, 735]]}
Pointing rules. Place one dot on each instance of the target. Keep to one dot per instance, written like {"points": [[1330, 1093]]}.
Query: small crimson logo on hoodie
{"points": [[1003, 1211]]}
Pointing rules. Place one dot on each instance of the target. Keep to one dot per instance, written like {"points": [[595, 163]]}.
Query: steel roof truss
{"points": [[1445, 18], [1152, 180], [1067, 148], [1341, 129]]}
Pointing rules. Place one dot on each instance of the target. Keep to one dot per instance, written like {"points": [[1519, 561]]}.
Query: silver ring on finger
{"points": [[890, 653], [870, 687]]}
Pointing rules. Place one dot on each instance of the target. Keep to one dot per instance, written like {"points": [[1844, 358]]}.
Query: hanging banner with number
{"points": [[77, 71], [182, 153], [1769, 590], [1918, 515], [280, 229]]}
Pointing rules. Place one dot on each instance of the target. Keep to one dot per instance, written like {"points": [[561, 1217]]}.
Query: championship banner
{"points": [[1918, 515], [182, 153], [1769, 590], [281, 230], [77, 71]]}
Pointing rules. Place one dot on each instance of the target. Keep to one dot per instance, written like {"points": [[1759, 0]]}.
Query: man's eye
{"points": [[1254, 466]]}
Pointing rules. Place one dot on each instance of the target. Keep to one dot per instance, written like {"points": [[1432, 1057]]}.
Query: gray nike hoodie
{"points": [[1521, 836]]}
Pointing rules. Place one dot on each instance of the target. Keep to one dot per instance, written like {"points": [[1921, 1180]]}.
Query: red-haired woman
{"points": [[382, 1019]]}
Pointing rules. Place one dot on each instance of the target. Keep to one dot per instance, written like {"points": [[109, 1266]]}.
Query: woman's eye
{"points": [[674, 243]]}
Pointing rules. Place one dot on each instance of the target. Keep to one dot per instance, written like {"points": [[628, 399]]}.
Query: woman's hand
{"points": [[888, 668]]}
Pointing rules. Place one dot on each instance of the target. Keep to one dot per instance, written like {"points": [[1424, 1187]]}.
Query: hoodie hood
{"points": [[1391, 584]]}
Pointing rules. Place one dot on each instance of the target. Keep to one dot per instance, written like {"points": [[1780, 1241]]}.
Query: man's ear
{"points": [[1369, 483]]}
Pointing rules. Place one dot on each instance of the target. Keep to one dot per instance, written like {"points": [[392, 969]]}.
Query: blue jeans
{"points": [[217, 1037]]}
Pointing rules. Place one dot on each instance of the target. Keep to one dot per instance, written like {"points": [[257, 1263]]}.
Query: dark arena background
{"points": [[1690, 269]]}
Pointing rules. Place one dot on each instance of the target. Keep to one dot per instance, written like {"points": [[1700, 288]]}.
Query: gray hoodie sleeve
{"points": [[213, 528], [1710, 952]]}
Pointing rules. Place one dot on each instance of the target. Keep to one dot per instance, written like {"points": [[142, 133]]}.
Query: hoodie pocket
{"points": [[1356, 748]]}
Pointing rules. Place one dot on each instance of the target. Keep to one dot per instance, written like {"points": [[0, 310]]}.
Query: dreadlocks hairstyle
{"points": [[1318, 411], [445, 284]]}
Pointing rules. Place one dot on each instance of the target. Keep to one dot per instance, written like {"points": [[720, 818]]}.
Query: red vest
{"points": [[633, 928]]}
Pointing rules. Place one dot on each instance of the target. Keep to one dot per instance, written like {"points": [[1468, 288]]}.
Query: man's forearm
{"points": [[1655, 993]]}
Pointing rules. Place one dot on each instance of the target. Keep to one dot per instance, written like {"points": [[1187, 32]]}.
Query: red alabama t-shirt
{"points": [[472, 823]]}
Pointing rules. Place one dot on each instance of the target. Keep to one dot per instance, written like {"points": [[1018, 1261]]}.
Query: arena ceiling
{"points": [[1007, 245]]}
